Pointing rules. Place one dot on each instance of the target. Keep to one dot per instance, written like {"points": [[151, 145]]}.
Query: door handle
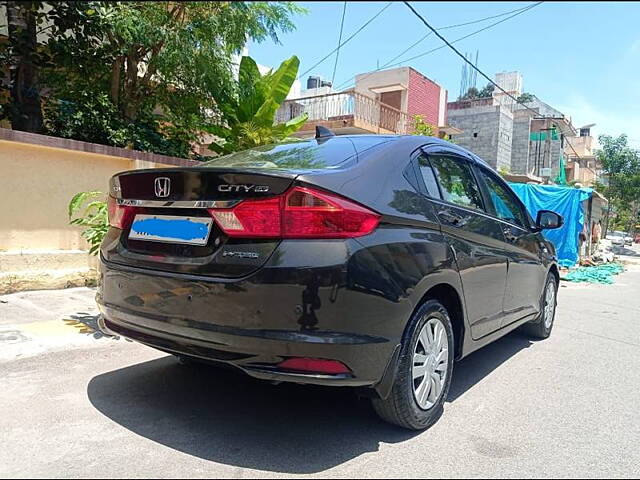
{"points": [[451, 218]]}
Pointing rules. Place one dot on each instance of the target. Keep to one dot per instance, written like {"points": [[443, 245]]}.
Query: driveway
{"points": [[77, 404]]}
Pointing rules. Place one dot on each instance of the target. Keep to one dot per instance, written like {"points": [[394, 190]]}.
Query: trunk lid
{"points": [[186, 194]]}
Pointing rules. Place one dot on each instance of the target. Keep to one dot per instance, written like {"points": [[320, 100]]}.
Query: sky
{"points": [[582, 58]]}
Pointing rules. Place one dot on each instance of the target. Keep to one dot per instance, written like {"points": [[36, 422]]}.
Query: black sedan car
{"points": [[366, 261]]}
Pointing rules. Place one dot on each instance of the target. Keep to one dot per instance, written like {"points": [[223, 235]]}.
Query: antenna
{"points": [[323, 132]]}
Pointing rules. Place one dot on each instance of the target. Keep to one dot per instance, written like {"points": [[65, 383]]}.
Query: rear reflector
{"points": [[120, 216], [299, 213], [314, 365]]}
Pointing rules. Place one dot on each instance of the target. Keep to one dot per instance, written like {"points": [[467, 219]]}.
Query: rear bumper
{"points": [[252, 324]]}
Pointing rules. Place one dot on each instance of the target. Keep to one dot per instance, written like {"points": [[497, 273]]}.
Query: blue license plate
{"points": [[171, 229]]}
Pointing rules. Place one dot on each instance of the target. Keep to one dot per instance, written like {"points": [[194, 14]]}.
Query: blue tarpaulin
{"points": [[567, 201]]}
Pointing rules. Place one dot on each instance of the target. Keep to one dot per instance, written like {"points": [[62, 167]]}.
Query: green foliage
{"points": [[487, 91], [93, 118], [470, 94], [503, 171], [258, 99], [621, 164], [87, 210], [158, 73], [526, 97], [420, 127]]}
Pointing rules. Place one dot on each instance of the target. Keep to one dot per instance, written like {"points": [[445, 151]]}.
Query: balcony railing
{"points": [[362, 111]]}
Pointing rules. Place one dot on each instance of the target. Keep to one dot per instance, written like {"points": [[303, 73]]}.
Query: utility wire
{"points": [[536, 113], [347, 40], [467, 60], [440, 28], [480, 20], [335, 65], [517, 12]]}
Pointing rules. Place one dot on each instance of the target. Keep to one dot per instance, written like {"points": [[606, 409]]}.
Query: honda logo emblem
{"points": [[162, 187]]}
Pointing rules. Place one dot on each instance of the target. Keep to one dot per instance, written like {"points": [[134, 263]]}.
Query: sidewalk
{"points": [[38, 321]]}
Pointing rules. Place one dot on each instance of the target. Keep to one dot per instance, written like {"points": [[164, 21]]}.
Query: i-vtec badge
{"points": [[243, 188], [227, 253]]}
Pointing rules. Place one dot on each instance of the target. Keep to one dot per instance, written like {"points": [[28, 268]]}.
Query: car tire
{"points": [[541, 327], [402, 406]]}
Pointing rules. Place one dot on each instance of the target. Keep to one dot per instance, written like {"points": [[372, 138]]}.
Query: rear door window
{"points": [[456, 180], [428, 176]]}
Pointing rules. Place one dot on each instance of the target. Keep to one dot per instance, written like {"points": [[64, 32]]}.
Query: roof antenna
{"points": [[323, 132]]}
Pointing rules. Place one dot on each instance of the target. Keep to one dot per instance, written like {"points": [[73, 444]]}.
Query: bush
{"points": [[89, 212], [93, 118]]}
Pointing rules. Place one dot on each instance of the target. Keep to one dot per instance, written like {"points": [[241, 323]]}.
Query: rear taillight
{"points": [[299, 213], [120, 216]]}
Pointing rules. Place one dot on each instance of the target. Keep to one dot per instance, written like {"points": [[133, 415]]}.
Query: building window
{"points": [[475, 134]]}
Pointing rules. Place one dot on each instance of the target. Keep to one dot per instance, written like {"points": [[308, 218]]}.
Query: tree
{"points": [[420, 127], [621, 164], [471, 93], [155, 71], [250, 119], [526, 97], [24, 108], [487, 91]]}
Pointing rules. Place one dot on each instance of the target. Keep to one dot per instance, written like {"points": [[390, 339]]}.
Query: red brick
{"points": [[423, 97]]}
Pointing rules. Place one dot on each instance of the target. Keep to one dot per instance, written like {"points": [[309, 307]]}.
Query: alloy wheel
{"points": [[430, 363], [549, 304]]}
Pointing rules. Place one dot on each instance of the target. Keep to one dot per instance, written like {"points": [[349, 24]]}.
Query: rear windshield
{"points": [[295, 155]]}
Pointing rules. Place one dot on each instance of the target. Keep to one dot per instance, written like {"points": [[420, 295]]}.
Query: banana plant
{"points": [[250, 120]]}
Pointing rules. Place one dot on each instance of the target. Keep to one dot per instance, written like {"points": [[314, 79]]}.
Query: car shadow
{"points": [[620, 250], [227, 417], [470, 370]]}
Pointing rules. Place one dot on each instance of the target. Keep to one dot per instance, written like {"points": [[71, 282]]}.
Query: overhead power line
{"points": [[515, 13], [422, 19], [335, 65], [457, 25], [347, 40], [467, 60]]}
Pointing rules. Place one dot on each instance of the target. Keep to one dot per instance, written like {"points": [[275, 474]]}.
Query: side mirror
{"points": [[547, 220]]}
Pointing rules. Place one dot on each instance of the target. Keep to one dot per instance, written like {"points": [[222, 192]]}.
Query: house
{"points": [[383, 101], [582, 164], [532, 139]]}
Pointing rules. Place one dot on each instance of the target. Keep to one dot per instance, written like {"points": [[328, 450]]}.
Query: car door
{"points": [[474, 237], [522, 246]]}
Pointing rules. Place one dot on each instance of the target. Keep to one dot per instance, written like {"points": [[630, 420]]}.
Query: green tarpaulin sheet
{"points": [[600, 274]]}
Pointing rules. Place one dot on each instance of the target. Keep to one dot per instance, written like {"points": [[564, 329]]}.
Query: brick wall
{"points": [[423, 97]]}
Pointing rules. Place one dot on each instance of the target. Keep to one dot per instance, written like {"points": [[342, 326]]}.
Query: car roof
{"points": [[415, 140]]}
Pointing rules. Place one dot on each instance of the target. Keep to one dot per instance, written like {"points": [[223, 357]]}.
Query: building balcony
{"points": [[345, 113]]}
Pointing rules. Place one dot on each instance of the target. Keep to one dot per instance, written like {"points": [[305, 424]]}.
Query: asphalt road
{"points": [[75, 404]]}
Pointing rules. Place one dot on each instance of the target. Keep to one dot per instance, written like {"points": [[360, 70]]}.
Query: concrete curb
{"points": [[11, 282]]}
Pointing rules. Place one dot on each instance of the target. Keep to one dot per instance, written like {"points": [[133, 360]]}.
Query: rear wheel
{"points": [[541, 327], [424, 370]]}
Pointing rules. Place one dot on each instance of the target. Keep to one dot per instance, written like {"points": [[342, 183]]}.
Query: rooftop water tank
{"points": [[313, 82]]}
